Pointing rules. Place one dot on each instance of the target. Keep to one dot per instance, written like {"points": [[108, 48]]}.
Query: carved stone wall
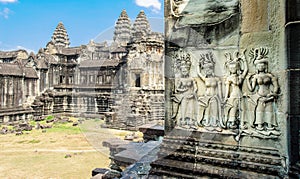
{"points": [[226, 90]]}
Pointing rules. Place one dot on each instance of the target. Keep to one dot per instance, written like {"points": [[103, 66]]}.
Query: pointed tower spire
{"points": [[122, 29], [141, 26], [60, 36]]}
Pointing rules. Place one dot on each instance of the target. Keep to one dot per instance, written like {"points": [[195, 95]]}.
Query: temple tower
{"points": [[122, 29], [60, 36], [141, 26]]}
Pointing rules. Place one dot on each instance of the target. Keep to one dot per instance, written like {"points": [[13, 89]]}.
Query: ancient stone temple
{"points": [[231, 90], [141, 77], [18, 86], [122, 81]]}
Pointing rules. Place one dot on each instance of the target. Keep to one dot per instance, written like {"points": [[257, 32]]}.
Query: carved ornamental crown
{"points": [[182, 59], [234, 58], [259, 55], [207, 60]]}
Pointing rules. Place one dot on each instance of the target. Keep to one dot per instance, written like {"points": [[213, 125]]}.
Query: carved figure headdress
{"points": [[182, 59], [259, 55], [235, 58], [206, 60]]}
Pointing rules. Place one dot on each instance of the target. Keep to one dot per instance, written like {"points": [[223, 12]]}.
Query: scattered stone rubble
{"points": [[132, 159], [19, 127]]}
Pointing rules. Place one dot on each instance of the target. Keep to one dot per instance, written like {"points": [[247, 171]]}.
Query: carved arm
{"points": [[251, 82], [227, 88], [178, 85], [245, 65], [200, 74], [195, 86]]}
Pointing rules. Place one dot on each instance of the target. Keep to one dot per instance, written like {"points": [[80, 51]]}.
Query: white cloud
{"points": [[5, 12], [10, 47], [154, 4], [23, 48], [8, 1]]}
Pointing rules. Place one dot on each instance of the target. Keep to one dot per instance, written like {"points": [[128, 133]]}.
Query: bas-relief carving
{"points": [[224, 111], [237, 68], [177, 7], [184, 97], [265, 88], [211, 101], [84, 53]]}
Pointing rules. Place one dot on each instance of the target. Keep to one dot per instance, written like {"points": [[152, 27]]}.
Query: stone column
{"points": [[293, 54], [38, 82], [95, 105], [10, 88], [5, 92]]}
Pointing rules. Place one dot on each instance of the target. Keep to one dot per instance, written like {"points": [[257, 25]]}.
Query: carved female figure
{"points": [[266, 90], [238, 70], [184, 97], [211, 100]]}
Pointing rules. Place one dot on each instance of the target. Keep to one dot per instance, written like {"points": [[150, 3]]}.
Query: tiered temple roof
{"points": [[141, 26], [122, 29], [60, 36]]}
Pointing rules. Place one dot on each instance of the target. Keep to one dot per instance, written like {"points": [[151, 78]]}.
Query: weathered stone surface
{"points": [[227, 95], [60, 36], [17, 87], [131, 158], [97, 171], [122, 32], [255, 16], [141, 27], [152, 132]]}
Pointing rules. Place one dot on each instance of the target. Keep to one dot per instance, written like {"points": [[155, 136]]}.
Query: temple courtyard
{"points": [[63, 151]]}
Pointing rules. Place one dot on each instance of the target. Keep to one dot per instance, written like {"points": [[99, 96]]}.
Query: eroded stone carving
{"points": [[265, 87], [203, 11], [184, 97], [226, 112], [210, 116], [177, 7], [237, 68]]}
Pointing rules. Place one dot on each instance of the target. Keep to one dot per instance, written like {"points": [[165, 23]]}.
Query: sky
{"points": [[29, 24]]}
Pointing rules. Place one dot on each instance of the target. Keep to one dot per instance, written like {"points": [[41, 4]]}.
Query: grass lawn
{"points": [[43, 155]]}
